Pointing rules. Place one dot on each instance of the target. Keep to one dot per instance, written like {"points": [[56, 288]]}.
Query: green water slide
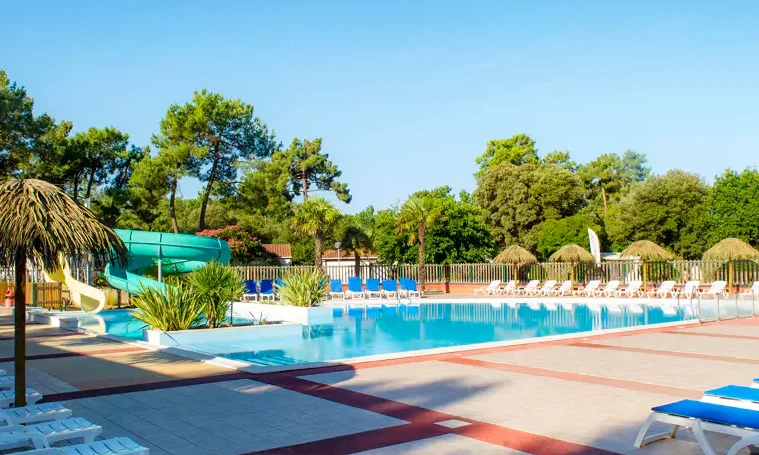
{"points": [[165, 254]]}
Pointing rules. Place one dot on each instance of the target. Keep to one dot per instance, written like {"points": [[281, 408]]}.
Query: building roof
{"points": [[278, 249], [347, 254]]}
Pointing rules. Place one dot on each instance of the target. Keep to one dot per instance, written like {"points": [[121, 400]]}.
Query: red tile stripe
{"points": [[577, 377], [43, 335], [712, 335], [61, 355], [687, 355]]}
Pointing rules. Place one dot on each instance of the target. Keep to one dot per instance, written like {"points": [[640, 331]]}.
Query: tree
{"points": [[310, 170], [94, 156], [663, 209], [733, 206], [315, 217], [610, 176], [244, 245], [518, 199], [227, 134], [570, 230], [416, 214], [358, 235], [561, 160], [519, 149]]}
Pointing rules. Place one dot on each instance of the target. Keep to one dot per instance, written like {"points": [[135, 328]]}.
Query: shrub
{"points": [[303, 288], [244, 245], [176, 308], [216, 285]]}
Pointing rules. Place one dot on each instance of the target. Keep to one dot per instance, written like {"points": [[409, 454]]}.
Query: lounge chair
{"points": [[251, 291], [491, 289], [564, 289], [510, 287], [372, 288], [665, 289], [389, 288], [753, 291], [702, 416], [7, 382], [336, 289], [589, 289], [8, 397], [632, 289], [16, 436], [528, 288], [45, 412], [547, 287], [734, 395], [355, 289], [690, 289], [267, 290], [408, 288], [609, 290], [715, 290], [115, 446]]}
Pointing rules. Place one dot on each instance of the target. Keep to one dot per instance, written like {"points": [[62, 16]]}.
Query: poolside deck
{"points": [[580, 396]]}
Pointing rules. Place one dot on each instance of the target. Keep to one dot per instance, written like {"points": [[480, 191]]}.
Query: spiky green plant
{"points": [[303, 288], [176, 308], [216, 285]]}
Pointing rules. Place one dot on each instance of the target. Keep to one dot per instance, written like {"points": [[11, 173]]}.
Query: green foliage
{"points": [[244, 245], [561, 160], [216, 285], [519, 149], [570, 230], [733, 206], [303, 288], [610, 176], [176, 308], [318, 218], [310, 170]]}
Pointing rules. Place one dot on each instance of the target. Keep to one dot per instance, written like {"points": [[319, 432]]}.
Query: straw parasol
{"points": [[646, 250], [731, 250], [515, 255], [41, 223], [574, 254]]}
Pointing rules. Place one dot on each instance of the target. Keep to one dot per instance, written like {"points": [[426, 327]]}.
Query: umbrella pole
{"points": [[19, 362], [572, 278], [730, 280], [645, 277]]}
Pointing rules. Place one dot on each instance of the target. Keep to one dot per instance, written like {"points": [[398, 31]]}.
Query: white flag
{"points": [[595, 246]]}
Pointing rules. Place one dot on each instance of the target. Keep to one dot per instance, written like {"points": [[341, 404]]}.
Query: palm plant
{"points": [[315, 217], [357, 239], [216, 285], [176, 308], [306, 288], [417, 214], [40, 224]]}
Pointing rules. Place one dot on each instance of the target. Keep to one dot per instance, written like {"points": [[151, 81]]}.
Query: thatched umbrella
{"points": [[41, 223], [515, 255], [574, 254], [646, 250], [731, 250]]}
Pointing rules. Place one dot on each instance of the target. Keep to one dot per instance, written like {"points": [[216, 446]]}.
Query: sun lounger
{"points": [[15, 436], [589, 289], [701, 416], [690, 290], [267, 290], [609, 290], [752, 291], [564, 289], [115, 446], [717, 289], [336, 289], [45, 412], [510, 287], [355, 289], [547, 287], [372, 288], [528, 288], [734, 395], [7, 382], [491, 289], [408, 288], [665, 289], [389, 288], [251, 291], [8, 397], [632, 289]]}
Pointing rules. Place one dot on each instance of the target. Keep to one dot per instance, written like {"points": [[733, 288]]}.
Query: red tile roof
{"points": [[278, 249]]}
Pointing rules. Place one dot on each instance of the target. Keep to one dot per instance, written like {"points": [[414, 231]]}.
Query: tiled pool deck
{"points": [[578, 396]]}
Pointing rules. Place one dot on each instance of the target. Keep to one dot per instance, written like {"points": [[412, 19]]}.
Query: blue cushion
{"points": [[716, 413], [735, 392]]}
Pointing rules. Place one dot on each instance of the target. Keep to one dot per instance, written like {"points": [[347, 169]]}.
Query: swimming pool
{"points": [[359, 332]]}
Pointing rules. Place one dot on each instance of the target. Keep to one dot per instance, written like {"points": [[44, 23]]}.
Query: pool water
{"points": [[393, 329]]}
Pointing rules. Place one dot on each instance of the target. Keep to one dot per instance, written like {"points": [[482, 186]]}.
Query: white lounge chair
{"points": [[633, 288], [547, 287], [690, 289], [528, 288], [15, 436], [665, 289], [38, 413], [115, 446], [609, 290], [564, 289], [589, 289], [491, 289], [753, 291], [510, 287], [8, 397], [715, 290]]}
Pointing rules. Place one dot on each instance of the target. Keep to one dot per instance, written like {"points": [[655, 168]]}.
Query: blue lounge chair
{"points": [[336, 289], [389, 288], [355, 290], [408, 288], [701, 416], [251, 291], [267, 290], [372, 288], [734, 395]]}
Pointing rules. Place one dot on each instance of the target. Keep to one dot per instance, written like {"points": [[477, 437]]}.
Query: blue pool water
{"points": [[392, 329]]}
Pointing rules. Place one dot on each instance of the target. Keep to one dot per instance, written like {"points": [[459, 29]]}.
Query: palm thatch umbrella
{"points": [[515, 255], [731, 250], [40, 224], [646, 250], [574, 254]]}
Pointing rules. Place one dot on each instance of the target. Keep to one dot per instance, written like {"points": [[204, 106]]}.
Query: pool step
{"points": [[272, 361]]}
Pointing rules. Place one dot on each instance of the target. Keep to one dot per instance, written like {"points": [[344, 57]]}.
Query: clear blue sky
{"points": [[407, 93]]}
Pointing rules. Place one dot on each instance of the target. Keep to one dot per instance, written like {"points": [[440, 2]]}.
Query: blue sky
{"points": [[406, 94]]}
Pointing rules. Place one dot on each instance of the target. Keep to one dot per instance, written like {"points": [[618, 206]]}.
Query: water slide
{"points": [[89, 298]]}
